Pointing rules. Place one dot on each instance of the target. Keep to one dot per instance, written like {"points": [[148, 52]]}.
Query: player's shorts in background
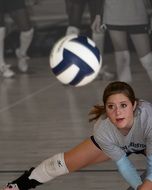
{"points": [[131, 29], [11, 5]]}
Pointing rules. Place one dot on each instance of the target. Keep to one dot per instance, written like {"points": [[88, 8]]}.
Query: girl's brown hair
{"points": [[112, 88]]}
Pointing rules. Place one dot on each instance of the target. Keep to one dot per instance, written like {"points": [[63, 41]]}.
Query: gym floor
{"points": [[40, 117]]}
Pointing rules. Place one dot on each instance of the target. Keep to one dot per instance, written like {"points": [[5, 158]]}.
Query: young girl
{"points": [[123, 126], [123, 18], [17, 10]]}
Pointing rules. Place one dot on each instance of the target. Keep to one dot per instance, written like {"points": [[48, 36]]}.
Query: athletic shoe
{"points": [[5, 71], [11, 187], [22, 61]]}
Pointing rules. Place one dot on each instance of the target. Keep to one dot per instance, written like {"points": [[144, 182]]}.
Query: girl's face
{"points": [[120, 110]]}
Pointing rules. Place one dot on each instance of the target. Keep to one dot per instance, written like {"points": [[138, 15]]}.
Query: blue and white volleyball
{"points": [[75, 60]]}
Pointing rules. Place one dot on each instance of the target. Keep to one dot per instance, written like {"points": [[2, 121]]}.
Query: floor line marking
{"points": [[26, 97]]}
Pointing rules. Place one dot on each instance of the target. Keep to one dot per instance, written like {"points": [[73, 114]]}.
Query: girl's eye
{"points": [[110, 106], [123, 105]]}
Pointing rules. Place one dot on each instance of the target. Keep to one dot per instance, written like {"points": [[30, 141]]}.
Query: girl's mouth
{"points": [[119, 119]]}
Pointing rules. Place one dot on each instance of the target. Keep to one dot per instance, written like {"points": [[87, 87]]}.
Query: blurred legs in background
{"points": [[17, 11], [75, 10]]}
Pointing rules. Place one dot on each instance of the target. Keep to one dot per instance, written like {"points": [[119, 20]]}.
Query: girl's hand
{"points": [[147, 185], [96, 25]]}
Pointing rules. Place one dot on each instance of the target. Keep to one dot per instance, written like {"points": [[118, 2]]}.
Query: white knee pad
{"points": [[72, 30], [98, 38], [146, 62], [49, 169], [123, 66]]}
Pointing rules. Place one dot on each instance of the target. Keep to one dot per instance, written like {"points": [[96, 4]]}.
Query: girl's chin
{"points": [[122, 127], [121, 124]]}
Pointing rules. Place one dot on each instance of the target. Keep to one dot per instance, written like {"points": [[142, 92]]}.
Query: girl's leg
{"points": [[4, 69], [98, 37], [143, 49], [22, 20], [75, 16], [68, 5], [122, 55], [71, 29], [83, 155], [2, 38]]}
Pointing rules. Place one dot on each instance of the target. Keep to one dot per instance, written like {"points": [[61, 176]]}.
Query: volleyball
{"points": [[75, 60]]}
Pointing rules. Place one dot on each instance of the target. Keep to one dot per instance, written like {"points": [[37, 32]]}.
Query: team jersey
{"points": [[124, 12], [139, 138]]}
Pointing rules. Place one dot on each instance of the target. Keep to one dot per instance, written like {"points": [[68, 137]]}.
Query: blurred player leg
{"points": [[123, 65], [122, 55], [4, 68], [99, 39], [75, 13], [146, 62], [21, 18], [143, 48], [68, 7]]}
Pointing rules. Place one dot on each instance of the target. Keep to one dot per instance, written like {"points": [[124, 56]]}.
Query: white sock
{"points": [[123, 66], [72, 30], [25, 41], [98, 38], [49, 169], [146, 62], [2, 37]]}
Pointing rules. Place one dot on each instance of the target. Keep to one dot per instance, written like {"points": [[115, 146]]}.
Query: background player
{"points": [[123, 18]]}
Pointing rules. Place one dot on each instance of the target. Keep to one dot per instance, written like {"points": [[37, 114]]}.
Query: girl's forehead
{"points": [[119, 97]]}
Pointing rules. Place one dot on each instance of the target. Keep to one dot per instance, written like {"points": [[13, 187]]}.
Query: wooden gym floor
{"points": [[40, 117]]}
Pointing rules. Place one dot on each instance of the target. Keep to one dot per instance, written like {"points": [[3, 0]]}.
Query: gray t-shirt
{"points": [[116, 145]]}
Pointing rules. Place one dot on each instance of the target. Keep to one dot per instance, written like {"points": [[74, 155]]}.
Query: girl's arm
{"points": [[129, 172], [147, 184]]}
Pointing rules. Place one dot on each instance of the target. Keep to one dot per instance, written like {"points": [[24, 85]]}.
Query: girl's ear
{"points": [[134, 106]]}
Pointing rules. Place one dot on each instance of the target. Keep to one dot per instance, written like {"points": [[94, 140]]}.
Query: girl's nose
{"points": [[118, 110]]}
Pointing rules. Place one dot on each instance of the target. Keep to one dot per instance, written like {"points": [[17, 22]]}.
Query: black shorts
{"points": [[131, 29], [11, 5], [93, 140]]}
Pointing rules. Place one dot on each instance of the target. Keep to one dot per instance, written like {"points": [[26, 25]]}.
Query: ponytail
{"points": [[96, 112]]}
